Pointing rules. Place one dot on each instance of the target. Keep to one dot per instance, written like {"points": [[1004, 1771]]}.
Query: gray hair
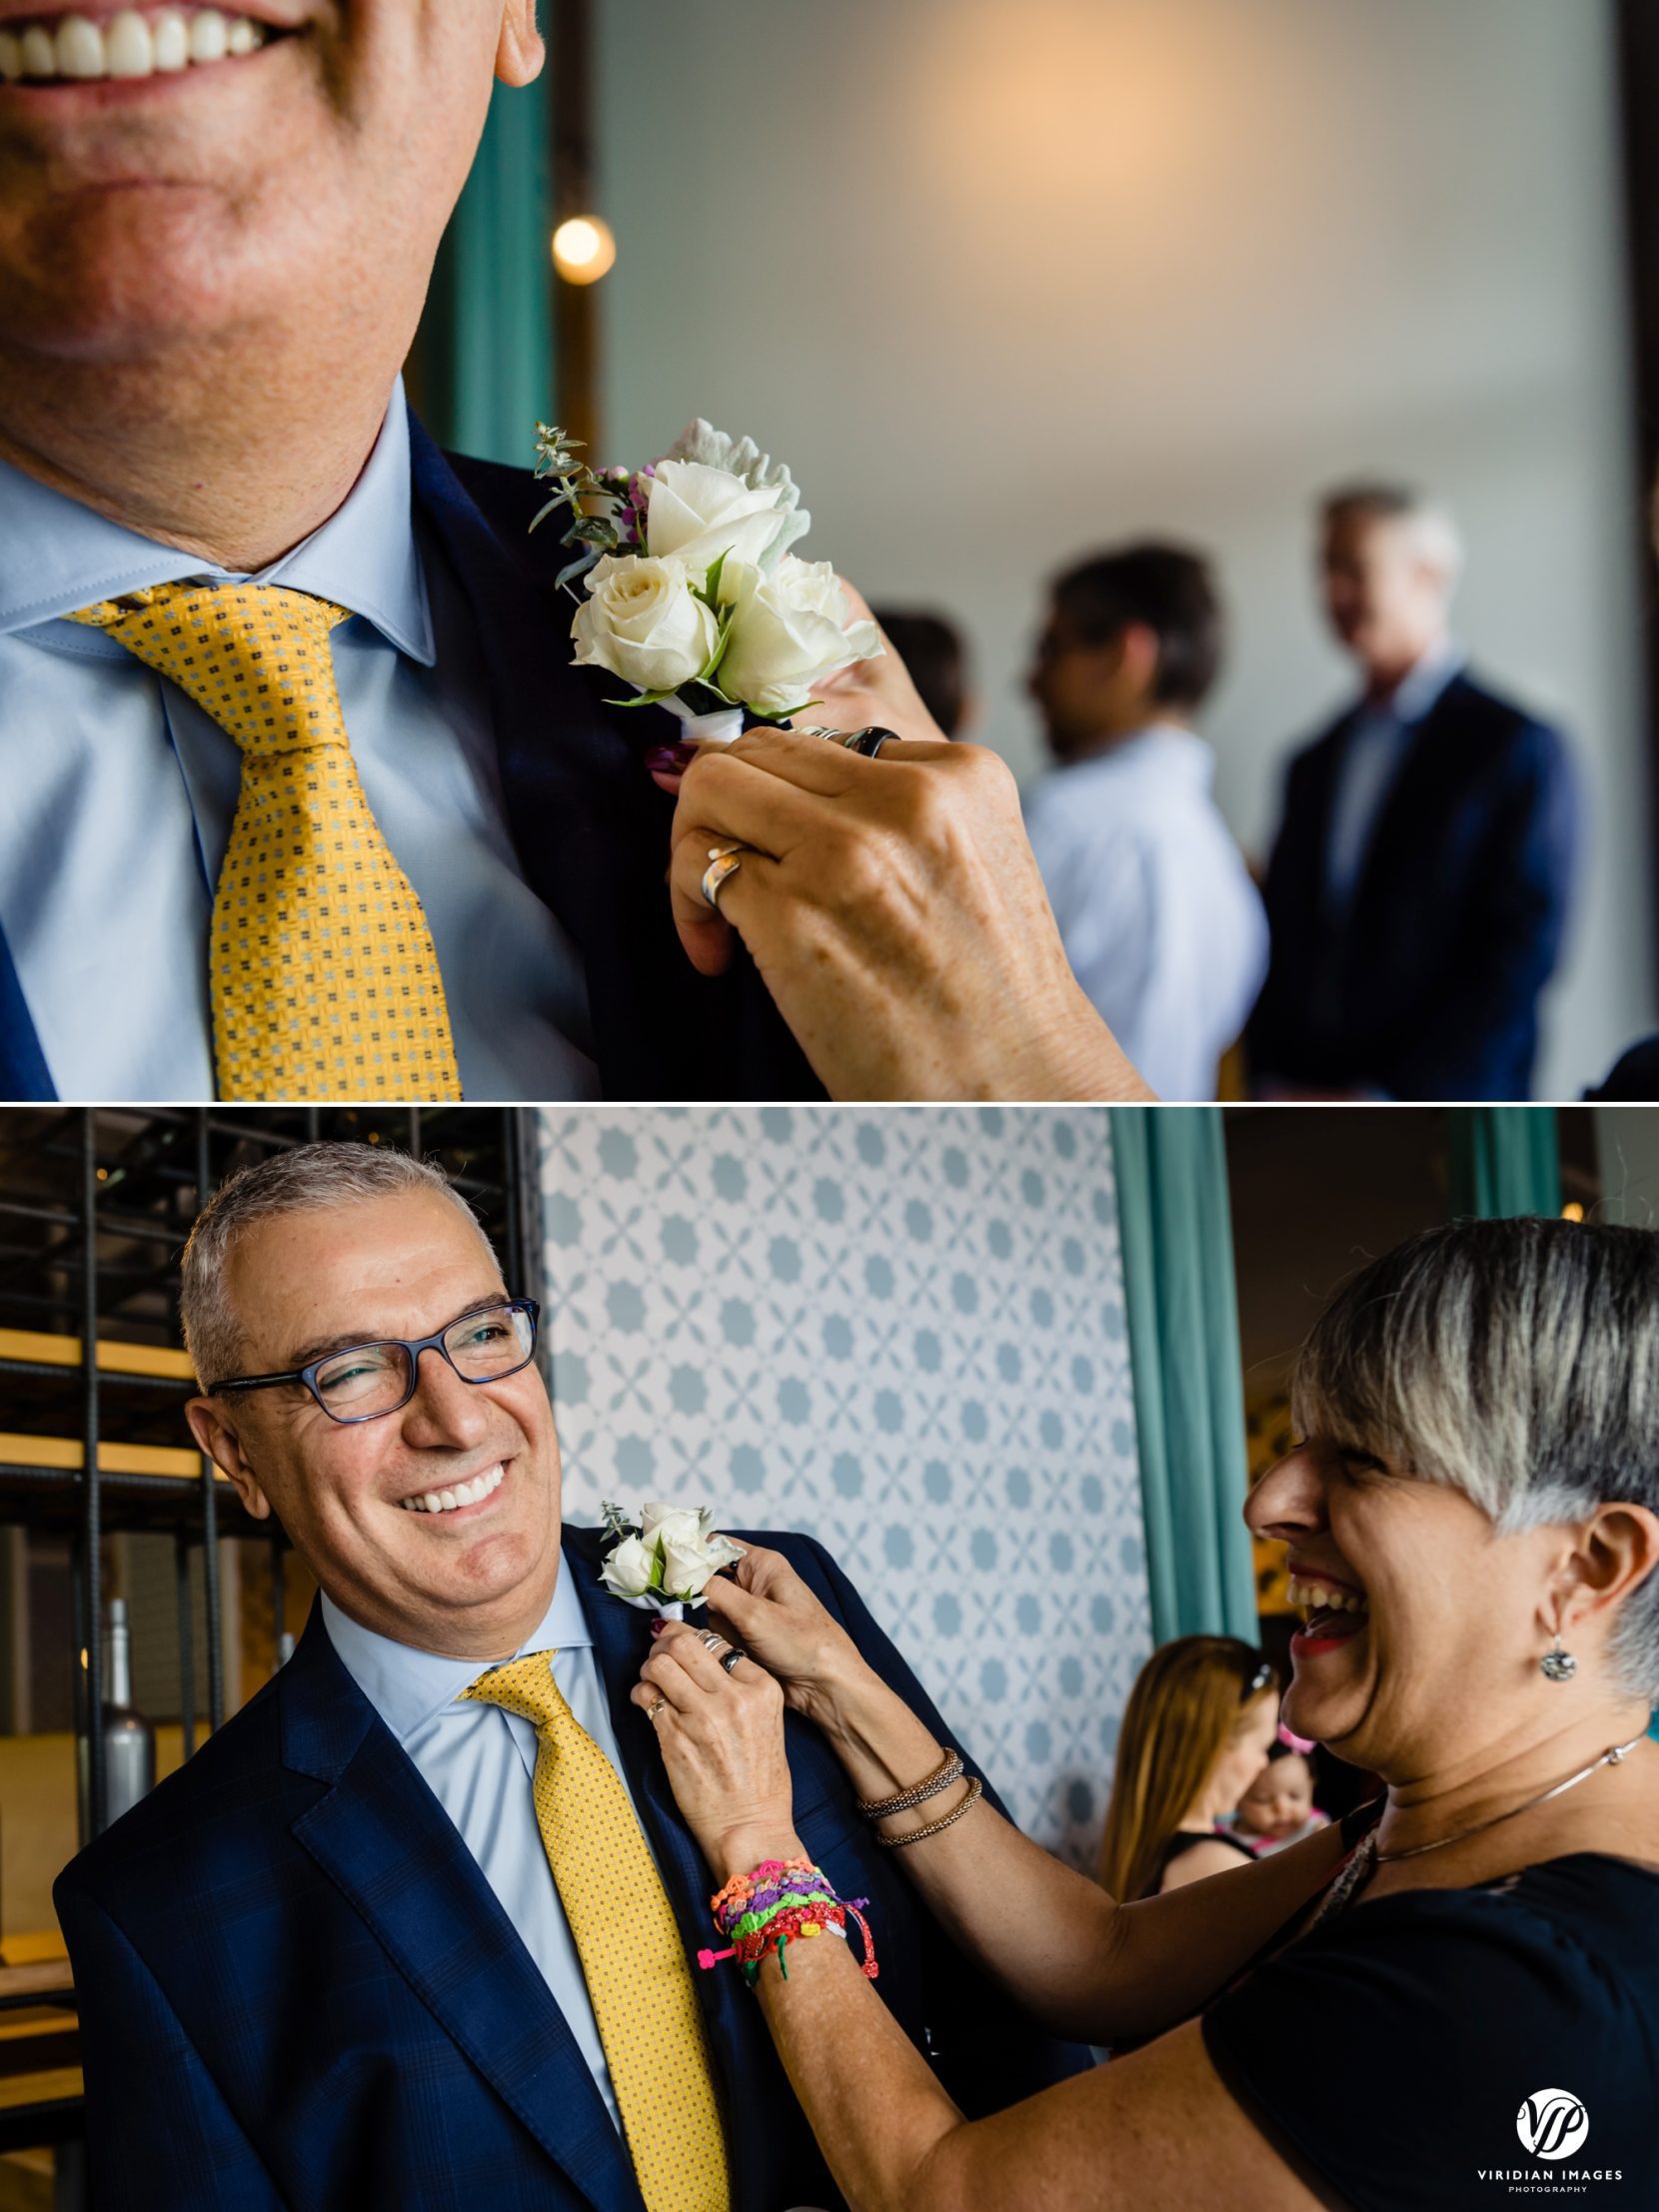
{"points": [[1434, 532], [308, 1177], [1515, 1361]]}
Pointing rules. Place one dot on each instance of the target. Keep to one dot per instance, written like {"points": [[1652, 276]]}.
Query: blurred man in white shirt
{"points": [[1162, 923]]}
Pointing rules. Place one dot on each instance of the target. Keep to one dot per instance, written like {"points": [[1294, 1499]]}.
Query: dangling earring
{"points": [[1557, 1666]]}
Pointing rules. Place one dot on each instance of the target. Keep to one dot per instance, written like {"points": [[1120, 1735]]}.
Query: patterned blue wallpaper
{"points": [[901, 1331]]}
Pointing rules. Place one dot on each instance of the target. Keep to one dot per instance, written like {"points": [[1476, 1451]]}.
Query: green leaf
{"points": [[710, 583], [645, 698]]}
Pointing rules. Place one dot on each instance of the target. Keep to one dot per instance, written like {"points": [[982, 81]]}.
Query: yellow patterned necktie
{"points": [[633, 1956], [324, 977]]}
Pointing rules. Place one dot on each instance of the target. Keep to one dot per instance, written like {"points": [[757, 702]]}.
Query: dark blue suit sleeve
{"points": [[985, 2050], [159, 2133], [1502, 960]]}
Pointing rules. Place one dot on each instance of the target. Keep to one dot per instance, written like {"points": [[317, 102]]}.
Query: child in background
{"points": [[1279, 1806]]}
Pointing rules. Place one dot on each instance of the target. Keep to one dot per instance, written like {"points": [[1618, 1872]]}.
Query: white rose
{"points": [[696, 514], [740, 457], [682, 1524], [641, 620], [629, 1568], [686, 1568], [788, 633]]}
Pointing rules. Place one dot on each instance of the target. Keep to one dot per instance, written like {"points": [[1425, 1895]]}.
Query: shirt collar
{"points": [[1417, 691], [57, 555], [407, 1686]]}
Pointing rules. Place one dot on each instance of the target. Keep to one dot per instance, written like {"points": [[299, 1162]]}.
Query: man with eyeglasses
{"points": [[416, 1926]]}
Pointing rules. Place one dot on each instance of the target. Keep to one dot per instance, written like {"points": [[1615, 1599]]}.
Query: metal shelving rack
{"points": [[95, 1207]]}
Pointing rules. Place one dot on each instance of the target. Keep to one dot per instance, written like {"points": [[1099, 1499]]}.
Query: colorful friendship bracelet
{"points": [[780, 1901]]}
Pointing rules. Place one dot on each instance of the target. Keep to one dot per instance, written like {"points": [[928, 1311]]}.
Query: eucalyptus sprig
{"points": [[597, 534]]}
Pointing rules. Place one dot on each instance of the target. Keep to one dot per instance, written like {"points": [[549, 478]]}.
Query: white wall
{"points": [[1004, 283]]}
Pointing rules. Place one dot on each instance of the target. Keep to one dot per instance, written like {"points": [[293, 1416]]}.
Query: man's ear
{"points": [[219, 1440], [1138, 654], [519, 51]]}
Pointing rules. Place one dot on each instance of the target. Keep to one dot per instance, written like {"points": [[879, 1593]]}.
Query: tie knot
{"points": [[525, 1687], [255, 656]]}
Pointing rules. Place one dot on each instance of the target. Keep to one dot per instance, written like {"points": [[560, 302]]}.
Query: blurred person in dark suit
{"points": [[1156, 911], [1419, 883], [934, 651]]}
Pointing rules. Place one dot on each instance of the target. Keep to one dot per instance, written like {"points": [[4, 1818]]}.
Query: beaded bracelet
{"points": [[948, 1771], [934, 1827]]}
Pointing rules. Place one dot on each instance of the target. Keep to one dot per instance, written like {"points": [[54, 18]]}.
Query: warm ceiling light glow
{"points": [[582, 249], [1572, 1211]]}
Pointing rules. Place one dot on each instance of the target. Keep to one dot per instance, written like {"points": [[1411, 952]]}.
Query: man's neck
{"points": [[233, 453], [1120, 729], [1384, 678]]}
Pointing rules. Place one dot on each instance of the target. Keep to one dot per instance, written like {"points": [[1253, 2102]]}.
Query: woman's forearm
{"points": [[1076, 1961]]}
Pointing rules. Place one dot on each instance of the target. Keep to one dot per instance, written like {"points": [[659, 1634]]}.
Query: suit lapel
{"points": [[739, 2048], [1412, 801], [590, 828], [386, 1842], [23, 1070]]}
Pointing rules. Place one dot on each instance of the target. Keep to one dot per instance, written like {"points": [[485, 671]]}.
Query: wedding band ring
{"points": [[708, 1639], [724, 863], [816, 729], [729, 1660], [654, 1709], [870, 742]]}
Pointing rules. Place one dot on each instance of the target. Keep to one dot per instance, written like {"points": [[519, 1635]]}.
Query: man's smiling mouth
{"points": [[455, 1497], [54, 48]]}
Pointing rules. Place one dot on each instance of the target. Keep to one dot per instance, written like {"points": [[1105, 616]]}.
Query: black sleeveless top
{"points": [[1182, 1841], [1459, 2047]]}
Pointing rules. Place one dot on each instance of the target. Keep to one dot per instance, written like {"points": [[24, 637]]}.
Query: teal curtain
{"points": [[1505, 1160], [1183, 1307], [482, 370]]}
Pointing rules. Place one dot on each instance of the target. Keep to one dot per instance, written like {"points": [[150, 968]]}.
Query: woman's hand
{"points": [[769, 1612], [893, 906], [722, 1738]]}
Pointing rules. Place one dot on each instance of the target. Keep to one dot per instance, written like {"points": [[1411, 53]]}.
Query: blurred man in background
{"points": [[935, 652], [1160, 922], [1418, 887]]}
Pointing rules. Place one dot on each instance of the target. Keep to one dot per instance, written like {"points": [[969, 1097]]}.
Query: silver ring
{"points": [[816, 729], [730, 1659], [708, 1639], [724, 863], [870, 742]]}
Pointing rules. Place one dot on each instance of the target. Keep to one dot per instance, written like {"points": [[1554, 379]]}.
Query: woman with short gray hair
{"points": [[1456, 1993]]}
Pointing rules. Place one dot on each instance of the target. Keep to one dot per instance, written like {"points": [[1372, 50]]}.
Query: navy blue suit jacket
{"points": [[590, 828], [1427, 987], [297, 1987]]}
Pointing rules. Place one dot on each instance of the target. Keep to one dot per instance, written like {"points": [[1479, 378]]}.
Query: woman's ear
{"points": [[1616, 1550], [519, 51], [216, 1437]]}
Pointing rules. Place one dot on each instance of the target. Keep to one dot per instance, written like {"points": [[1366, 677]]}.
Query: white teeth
{"points": [[460, 1494], [1315, 1596], [129, 46], [172, 40], [80, 48], [209, 36]]}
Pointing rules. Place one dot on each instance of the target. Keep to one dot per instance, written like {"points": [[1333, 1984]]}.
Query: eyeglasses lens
{"points": [[374, 1378]]}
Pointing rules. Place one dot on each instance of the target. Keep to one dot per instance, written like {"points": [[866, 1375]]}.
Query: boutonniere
{"points": [[665, 1561], [690, 593]]}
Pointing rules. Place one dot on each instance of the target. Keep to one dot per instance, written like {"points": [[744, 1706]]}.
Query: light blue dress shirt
{"points": [[117, 794], [480, 1762], [1163, 928], [1372, 755]]}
